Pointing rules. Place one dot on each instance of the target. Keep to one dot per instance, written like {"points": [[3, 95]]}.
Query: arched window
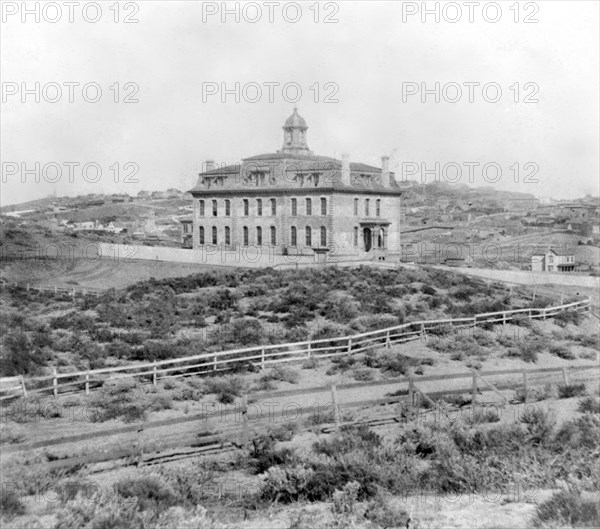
{"points": [[308, 206], [273, 235], [273, 207], [214, 208], [227, 235], [246, 207], [258, 236], [201, 236], [367, 207], [380, 238], [308, 236], [245, 235], [228, 208], [356, 207], [294, 236], [259, 207], [323, 206], [323, 236], [214, 235], [294, 207], [201, 208], [378, 208], [355, 236]]}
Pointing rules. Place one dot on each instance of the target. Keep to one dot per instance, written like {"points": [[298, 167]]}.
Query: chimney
{"points": [[210, 165], [386, 178], [345, 169]]}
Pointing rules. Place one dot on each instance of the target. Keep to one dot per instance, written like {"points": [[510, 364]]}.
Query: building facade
{"points": [[297, 203], [553, 261]]}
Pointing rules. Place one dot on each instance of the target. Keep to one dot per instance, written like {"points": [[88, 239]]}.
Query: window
{"points": [[214, 235], [308, 206], [201, 208], [258, 236], [273, 207], [273, 235], [294, 236], [201, 236], [228, 208], [366, 207], [308, 236], [259, 207], [550, 258], [323, 236], [356, 207], [227, 235], [245, 235], [323, 206], [378, 208], [246, 208], [355, 236], [294, 207], [214, 208]]}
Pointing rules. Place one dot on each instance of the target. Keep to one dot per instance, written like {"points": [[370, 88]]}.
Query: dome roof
{"points": [[295, 120]]}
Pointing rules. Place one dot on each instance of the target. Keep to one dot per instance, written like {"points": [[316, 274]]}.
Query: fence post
{"points": [[23, 386], [525, 387], [308, 349], [244, 419], [154, 373], [55, 290], [215, 362], [73, 293], [411, 389], [474, 390], [140, 445], [87, 383], [388, 343], [349, 345], [262, 358], [27, 287], [503, 318], [55, 383], [336, 414], [565, 375], [534, 292]]}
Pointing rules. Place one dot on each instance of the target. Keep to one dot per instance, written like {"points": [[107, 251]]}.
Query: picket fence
{"points": [[265, 355]]}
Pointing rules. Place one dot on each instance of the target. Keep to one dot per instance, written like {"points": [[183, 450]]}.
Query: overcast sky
{"points": [[366, 55]]}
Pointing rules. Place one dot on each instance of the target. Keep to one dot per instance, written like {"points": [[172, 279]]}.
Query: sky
{"points": [[361, 68]]}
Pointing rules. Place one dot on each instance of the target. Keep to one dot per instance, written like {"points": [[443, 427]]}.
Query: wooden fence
{"points": [[224, 427], [265, 355], [72, 291]]}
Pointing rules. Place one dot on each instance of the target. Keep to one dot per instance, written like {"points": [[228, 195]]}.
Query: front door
{"points": [[367, 239]]}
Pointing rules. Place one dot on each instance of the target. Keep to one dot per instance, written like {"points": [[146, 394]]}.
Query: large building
{"points": [[297, 203]]}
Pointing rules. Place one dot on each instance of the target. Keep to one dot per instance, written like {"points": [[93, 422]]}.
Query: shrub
{"points": [[562, 351], [568, 508], [571, 390], [233, 386], [310, 363], [364, 374], [10, 504], [383, 513], [485, 415], [539, 424], [344, 501], [566, 317], [589, 405], [265, 454], [151, 492]]}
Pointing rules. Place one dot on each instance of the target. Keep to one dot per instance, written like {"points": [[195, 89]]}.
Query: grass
{"points": [[567, 508]]}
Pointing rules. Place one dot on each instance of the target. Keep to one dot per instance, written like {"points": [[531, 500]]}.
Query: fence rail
{"points": [[71, 290], [280, 353]]}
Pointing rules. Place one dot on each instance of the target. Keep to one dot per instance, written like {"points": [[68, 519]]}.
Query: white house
{"points": [[553, 261]]}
